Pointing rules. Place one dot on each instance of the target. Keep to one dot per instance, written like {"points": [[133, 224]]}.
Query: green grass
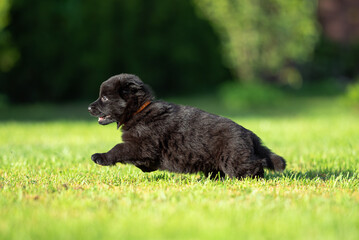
{"points": [[50, 189]]}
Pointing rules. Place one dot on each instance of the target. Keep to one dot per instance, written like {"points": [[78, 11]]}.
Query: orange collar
{"points": [[142, 107]]}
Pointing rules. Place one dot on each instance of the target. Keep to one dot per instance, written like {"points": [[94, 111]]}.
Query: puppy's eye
{"points": [[104, 99]]}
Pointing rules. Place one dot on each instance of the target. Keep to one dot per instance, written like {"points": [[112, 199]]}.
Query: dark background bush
{"points": [[69, 47], [333, 60], [56, 51]]}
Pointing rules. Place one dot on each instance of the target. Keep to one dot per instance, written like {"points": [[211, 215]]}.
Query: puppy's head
{"points": [[120, 98]]}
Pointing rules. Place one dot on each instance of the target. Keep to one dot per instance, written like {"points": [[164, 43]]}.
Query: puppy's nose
{"points": [[89, 108]]}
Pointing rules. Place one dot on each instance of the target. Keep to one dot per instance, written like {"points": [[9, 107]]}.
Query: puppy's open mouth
{"points": [[105, 120]]}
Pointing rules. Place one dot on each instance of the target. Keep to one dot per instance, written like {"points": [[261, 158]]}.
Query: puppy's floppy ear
{"points": [[134, 86], [123, 92], [131, 87]]}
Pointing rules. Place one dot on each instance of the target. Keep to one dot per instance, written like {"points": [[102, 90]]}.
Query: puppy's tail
{"points": [[270, 160]]}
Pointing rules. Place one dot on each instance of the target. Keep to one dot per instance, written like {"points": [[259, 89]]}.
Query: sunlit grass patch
{"points": [[50, 189]]}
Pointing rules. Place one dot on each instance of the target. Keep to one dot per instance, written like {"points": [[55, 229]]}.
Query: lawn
{"points": [[50, 189]]}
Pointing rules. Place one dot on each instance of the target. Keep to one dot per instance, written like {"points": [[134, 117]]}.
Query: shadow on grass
{"points": [[177, 177], [324, 175]]}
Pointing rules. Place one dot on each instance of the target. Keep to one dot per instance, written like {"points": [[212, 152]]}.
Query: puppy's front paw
{"points": [[100, 159]]}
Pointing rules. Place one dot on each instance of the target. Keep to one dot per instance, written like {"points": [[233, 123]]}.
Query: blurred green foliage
{"points": [[263, 37], [69, 47], [352, 95], [8, 52], [243, 96], [4, 5]]}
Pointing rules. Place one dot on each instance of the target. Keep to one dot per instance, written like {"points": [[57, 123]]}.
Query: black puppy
{"points": [[163, 136]]}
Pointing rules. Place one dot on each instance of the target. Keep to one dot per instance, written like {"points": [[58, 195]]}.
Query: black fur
{"points": [[182, 139]]}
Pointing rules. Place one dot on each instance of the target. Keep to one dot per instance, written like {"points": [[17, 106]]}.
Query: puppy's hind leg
{"points": [[242, 169]]}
